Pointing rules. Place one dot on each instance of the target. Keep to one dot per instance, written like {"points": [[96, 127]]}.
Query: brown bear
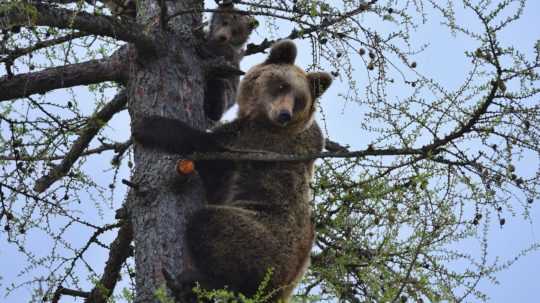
{"points": [[260, 218], [229, 31]]}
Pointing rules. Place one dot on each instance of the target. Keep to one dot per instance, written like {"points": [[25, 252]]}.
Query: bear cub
{"points": [[258, 217], [228, 33]]}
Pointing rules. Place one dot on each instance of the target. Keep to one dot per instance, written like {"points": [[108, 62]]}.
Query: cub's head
{"points": [[228, 26], [279, 92]]}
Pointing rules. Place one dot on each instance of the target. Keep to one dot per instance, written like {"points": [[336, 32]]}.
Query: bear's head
{"points": [[280, 93], [229, 26]]}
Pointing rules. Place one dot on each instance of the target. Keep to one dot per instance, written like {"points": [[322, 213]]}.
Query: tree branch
{"points": [[93, 239], [19, 52], [119, 147], [265, 156], [35, 13], [295, 34], [333, 146], [95, 123], [93, 71], [219, 67], [120, 250], [68, 292]]}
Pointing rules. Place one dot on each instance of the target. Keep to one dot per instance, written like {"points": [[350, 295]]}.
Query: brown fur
{"points": [[264, 221], [276, 86], [228, 33], [229, 27]]}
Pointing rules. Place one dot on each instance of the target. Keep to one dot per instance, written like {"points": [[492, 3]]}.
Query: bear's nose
{"points": [[222, 38], [284, 117]]}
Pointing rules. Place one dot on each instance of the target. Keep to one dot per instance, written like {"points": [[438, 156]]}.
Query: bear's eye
{"points": [[283, 87], [277, 87], [225, 23]]}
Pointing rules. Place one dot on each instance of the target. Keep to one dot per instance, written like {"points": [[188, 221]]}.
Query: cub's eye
{"points": [[299, 104], [225, 23]]}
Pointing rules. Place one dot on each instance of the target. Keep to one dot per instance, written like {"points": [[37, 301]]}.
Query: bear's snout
{"points": [[281, 109], [222, 36]]}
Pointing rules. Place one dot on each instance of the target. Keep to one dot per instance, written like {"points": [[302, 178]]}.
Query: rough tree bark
{"points": [[167, 83]]}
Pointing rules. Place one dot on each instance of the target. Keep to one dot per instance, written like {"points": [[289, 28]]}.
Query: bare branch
{"points": [[120, 250], [95, 123], [35, 13], [93, 71]]}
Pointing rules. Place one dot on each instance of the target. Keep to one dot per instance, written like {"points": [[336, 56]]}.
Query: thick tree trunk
{"points": [[168, 84]]}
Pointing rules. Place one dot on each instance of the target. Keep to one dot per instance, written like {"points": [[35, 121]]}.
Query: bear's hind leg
{"points": [[234, 249]]}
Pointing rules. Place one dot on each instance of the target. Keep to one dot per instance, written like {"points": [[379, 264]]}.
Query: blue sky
{"points": [[443, 60]]}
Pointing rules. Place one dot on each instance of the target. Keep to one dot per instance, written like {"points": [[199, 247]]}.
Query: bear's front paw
{"points": [[147, 131], [167, 134], [140, 133]]}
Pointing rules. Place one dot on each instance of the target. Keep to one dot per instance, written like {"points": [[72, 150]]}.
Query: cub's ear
{"points": [[282, 52], [253, 23], [319, 83]]}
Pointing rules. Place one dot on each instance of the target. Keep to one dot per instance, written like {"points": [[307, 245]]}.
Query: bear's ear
{"points": [[319, 83], [282, 52]]}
